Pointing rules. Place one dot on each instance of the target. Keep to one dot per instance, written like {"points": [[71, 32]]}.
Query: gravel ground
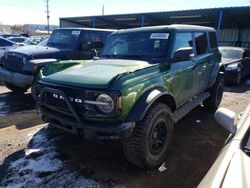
{"points": [[33, 154]]}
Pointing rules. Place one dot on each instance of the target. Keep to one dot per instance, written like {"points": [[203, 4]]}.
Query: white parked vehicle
{"points": [[232, 167]]}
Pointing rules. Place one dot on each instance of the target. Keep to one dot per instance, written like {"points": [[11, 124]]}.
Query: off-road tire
{"points": [[216, 93], [15, 88], [137, 146]]}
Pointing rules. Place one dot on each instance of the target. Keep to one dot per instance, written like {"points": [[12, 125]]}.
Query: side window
{"points": [[97, 40], [201, 43], [105, 36], [92, 40], [85, 38], [183, 40], [213, 40]]}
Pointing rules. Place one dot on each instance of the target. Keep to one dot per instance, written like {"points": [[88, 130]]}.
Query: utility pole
{"points": [[102, 9], [47, 12]]}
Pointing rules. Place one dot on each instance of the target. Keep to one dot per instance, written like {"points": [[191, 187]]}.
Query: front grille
{"points": [[57, 102], [14, 62]]}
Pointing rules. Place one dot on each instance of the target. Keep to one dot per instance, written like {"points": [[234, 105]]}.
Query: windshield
{"points": [[231, 53], [136, 45], [63, 38], [43, 42]]}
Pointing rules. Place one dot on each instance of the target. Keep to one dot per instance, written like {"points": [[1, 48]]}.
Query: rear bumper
{"points": [[231, 77], [18, 79], [75, 124]]}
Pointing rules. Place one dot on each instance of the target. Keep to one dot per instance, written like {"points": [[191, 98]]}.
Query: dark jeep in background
{"points": [[236, 62], [21, 66], [144, 82]]}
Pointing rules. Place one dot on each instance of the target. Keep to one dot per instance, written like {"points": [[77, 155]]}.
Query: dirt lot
{"points": [[33, 154]]}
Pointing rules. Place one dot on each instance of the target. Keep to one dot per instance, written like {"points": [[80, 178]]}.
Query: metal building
{"points": [[232, 23]]}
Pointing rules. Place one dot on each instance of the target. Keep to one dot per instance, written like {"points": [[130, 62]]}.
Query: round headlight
{"points": [[105, 103], [24, 60]]}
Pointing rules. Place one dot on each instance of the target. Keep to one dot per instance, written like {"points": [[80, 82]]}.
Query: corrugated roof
{"points": [[231, 17]]}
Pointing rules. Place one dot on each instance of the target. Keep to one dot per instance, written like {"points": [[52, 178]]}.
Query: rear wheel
{"points": [[15, 88], [216, 92], [148, 145]]}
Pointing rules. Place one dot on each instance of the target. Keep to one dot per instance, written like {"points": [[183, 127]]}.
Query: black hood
{"points": [[42, 51]]}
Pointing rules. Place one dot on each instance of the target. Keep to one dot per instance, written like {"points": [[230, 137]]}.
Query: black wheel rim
{"points": [[158, 138]]}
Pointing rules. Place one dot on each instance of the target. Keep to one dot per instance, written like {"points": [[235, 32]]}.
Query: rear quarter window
{"points": [[213, 40], [201, 43]]}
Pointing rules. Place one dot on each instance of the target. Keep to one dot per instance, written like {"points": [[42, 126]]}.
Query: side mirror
{"points": [[227, 119], [183, 53], [94, 52]]}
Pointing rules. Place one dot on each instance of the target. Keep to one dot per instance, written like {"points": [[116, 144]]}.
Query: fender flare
{"points": [[145, 102], [216, 70], [37, 64]]}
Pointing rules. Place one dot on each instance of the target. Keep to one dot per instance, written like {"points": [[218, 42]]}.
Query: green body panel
{"points": [[181, 79], [93, 74], [138, 77]]}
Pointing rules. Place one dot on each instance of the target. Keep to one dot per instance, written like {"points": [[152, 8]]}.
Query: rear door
{"points": [[204, 62]]}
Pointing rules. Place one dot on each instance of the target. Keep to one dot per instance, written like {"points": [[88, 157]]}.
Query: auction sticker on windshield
{"points": [[75, 32], [159, 36]]}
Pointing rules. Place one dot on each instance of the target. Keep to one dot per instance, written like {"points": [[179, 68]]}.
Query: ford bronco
{"points": [[21, 66], [145, 80]]}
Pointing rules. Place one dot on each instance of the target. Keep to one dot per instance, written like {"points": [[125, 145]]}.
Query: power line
{"points": [[47, 12]]}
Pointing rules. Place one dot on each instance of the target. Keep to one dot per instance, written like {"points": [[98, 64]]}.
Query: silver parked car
{"points": [[232, 167], [5, 45]]}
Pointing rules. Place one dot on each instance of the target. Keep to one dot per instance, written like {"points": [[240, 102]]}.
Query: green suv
{"points": [[145, 81]]}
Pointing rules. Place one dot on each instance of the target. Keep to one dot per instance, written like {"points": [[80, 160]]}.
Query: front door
{"points": [[182, 72]]}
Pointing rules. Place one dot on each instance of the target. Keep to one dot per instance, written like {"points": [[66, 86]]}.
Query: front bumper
{"points": [[76, 125], [18, 79], [231, 77]]}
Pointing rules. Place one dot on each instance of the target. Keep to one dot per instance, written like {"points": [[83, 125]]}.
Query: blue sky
{"points": [[33, 11]]}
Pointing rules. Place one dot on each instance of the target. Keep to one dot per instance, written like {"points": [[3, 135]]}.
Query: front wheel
{"points": [[148, 145], [216, 92]]}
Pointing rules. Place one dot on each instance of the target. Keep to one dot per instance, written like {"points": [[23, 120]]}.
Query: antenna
{"points": [[47, 12], [102, 9]]}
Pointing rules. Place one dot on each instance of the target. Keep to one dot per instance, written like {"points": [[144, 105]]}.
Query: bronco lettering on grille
{"points": [[70, 98]]}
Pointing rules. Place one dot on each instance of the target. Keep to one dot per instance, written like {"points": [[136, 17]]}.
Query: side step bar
{"points": [[186, 108]]}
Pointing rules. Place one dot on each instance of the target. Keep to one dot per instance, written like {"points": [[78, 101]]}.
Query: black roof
{"points": [[86, 29], [177, 27], [231, 17]]}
